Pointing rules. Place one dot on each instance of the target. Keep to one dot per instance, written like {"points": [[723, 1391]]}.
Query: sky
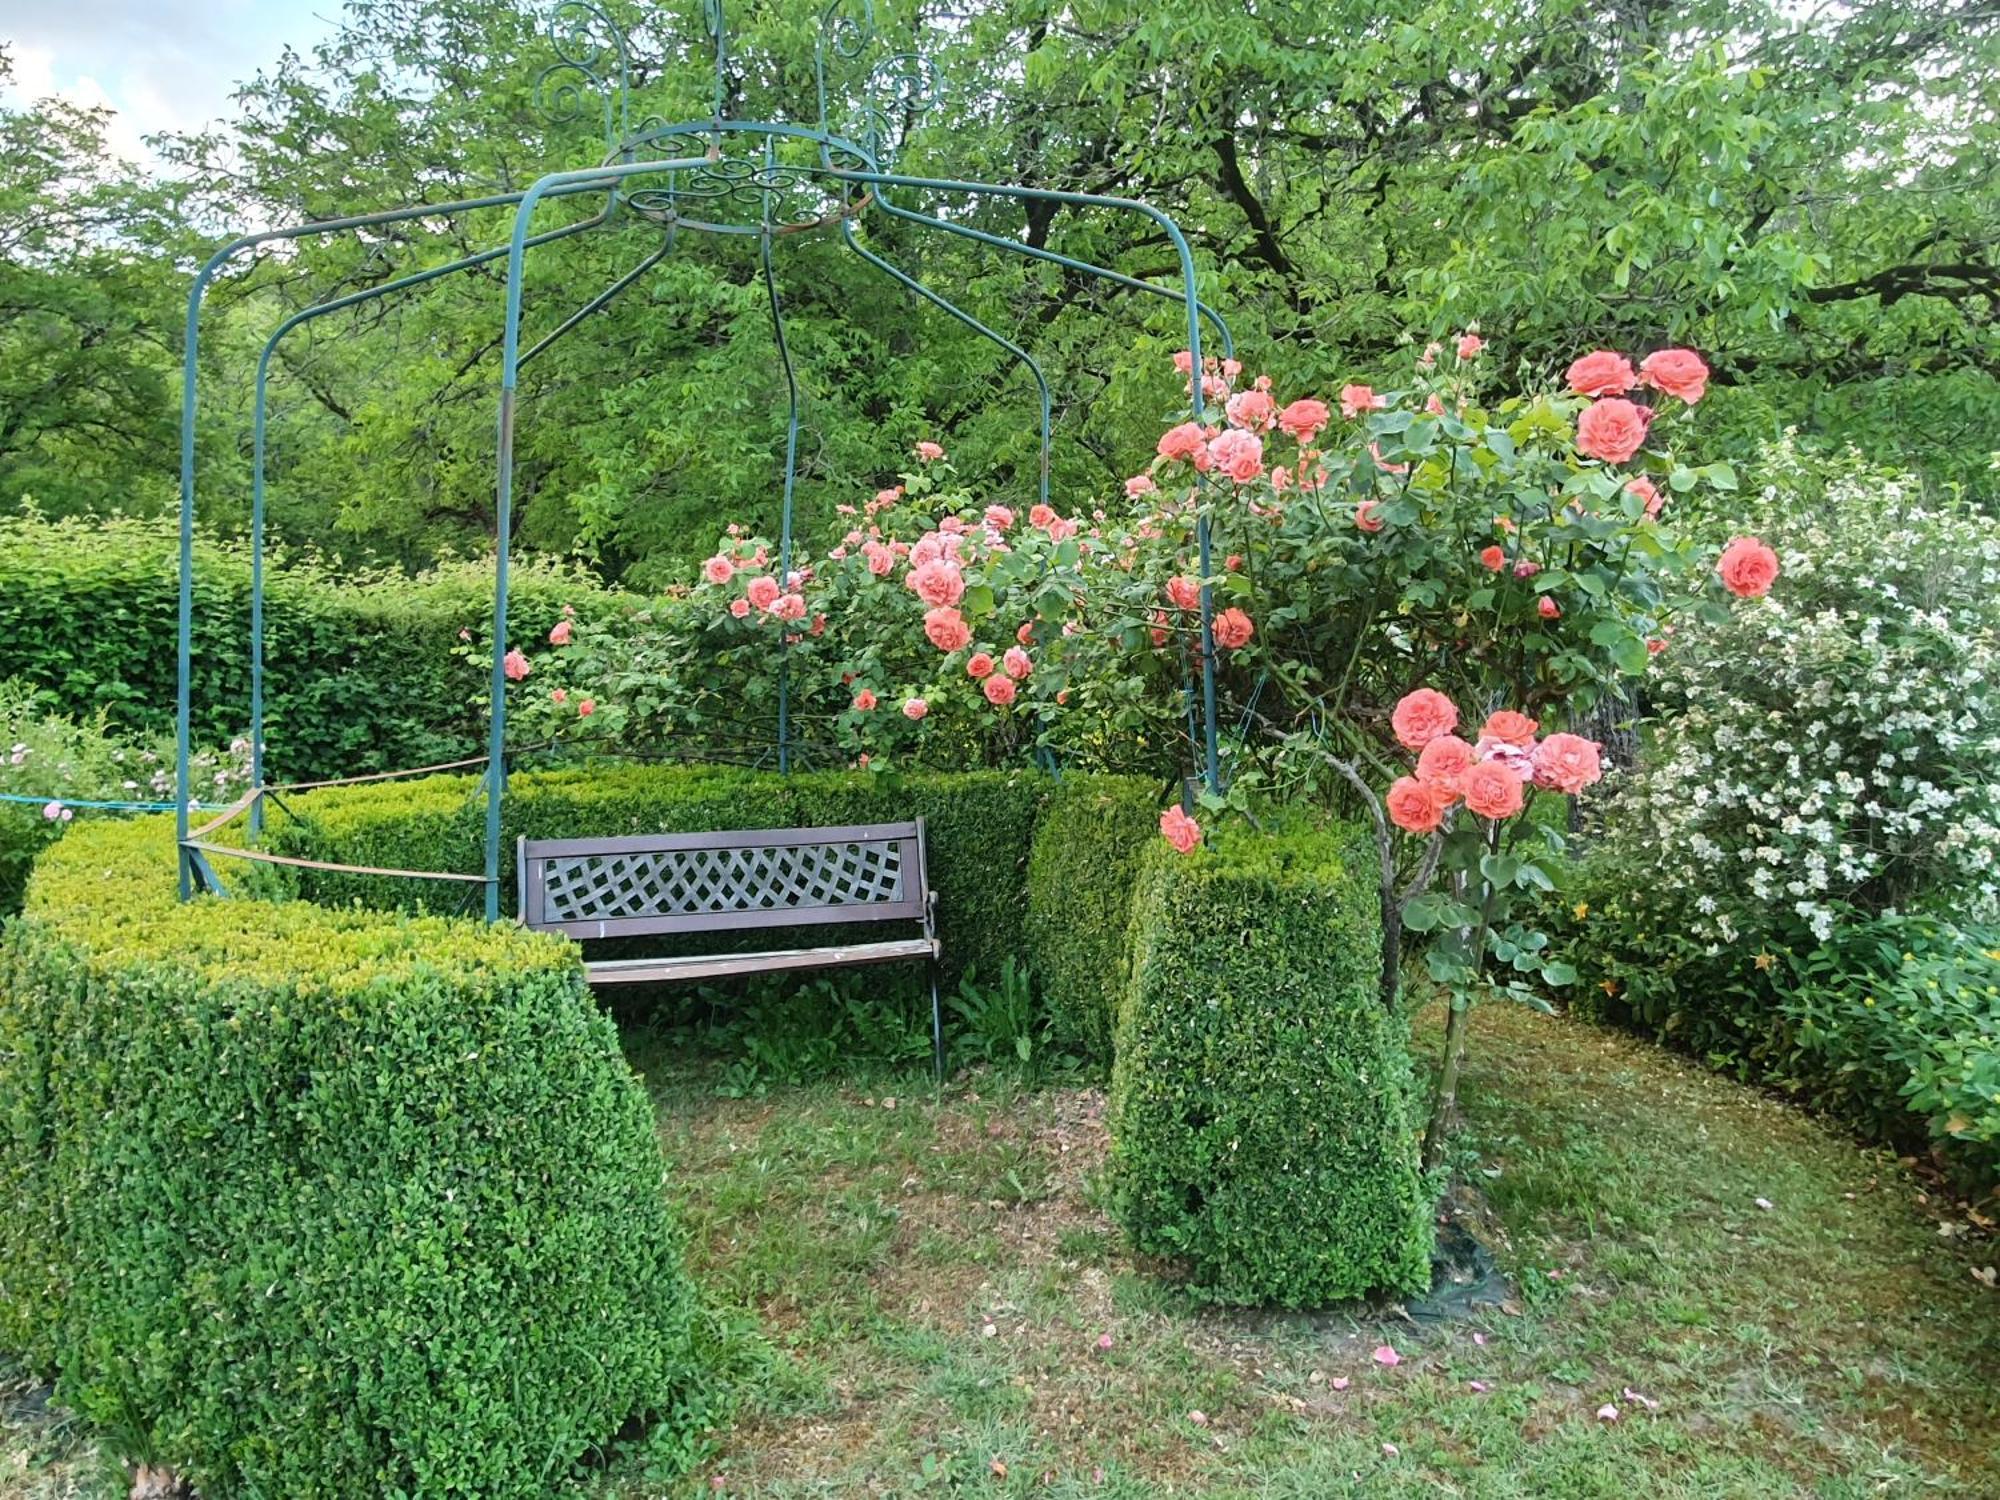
{"points": [[161, 64]]}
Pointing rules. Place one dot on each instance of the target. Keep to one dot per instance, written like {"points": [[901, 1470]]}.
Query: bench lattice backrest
{"points": [[706, 882]]}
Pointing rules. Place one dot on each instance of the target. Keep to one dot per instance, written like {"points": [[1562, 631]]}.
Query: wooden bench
{"points": [[670, 883]]}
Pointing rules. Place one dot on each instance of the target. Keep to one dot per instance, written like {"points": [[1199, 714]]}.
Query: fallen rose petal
{"points": [[1479, 1386], [1390, 1450], [1387, 1355], [1607, 1413], [1765, 1204], [1639, 1399], [1480, 1339], [1341, 1382], [1103, 1343], [1199, 1418]]}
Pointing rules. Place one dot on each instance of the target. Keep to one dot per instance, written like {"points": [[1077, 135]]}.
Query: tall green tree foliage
{"points": [[1807, 197]]}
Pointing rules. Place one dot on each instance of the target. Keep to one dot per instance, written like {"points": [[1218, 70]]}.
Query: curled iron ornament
{"points": [[736, 189], [587, 42]]}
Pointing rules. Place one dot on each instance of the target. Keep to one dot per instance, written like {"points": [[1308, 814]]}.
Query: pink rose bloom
{"points": [[1303, 418], [1184, 443], [1178, 829], [1678, 372], [790, 607], [887, 498], [53, 811], [1375, 452], [1025, 633], [1434, 404], [718, 569], [999, 690], [1214, 387], [739, 607], [938, 582], [1183, 593], [1238, 454], [946, 629], [1233, 630], [1252, 410], [1184, 361], [929, 452], [864, 701], [1041, 516], [1520, 759], [1231, 368], [1547, 608], [559, 636], [1613, 429], [915, 708], [1422, 716], [1443, 761], [464, 634], [560, 695], [1492, 790], [1602, 374], [1469, 344], [1061, 529], [1139, 484], [1567, 763], [1365, 517], [999, 517], [1649, 492], [1355, 399], [1017, 663], [1748, 567], [881, 560], [979, 664], [1525, 567], [763, 592], [1492, 559], [516, 665], [586, 708], [1416, 806], [1509, 727]]}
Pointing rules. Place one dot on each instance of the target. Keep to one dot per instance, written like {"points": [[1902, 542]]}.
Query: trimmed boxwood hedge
{"points": [[1260, 1106], [981, 827], [328, 1203]]}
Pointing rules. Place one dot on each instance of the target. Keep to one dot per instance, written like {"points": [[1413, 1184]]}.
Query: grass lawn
{"points": [[938, 1280]]}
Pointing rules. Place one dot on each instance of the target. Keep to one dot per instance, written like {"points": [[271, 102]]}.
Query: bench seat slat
{"points": [[723, 965]]}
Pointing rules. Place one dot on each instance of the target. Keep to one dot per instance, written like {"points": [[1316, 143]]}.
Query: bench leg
{"points": [[937, 1026]]}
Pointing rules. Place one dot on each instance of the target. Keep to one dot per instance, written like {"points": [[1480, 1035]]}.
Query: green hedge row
{"points": [[360, 672], [1023, 865], [327, 1203], [1261, 1113]]}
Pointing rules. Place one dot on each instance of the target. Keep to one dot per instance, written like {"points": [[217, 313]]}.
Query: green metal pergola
{"points": [[715, 176]]}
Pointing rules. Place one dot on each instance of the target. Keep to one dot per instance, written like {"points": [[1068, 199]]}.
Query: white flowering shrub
{"points": [[1817, 762]]}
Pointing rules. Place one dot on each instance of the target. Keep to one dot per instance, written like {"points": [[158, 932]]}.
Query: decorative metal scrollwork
{"points": [[893, 93], [588, 43], [734, 190]]}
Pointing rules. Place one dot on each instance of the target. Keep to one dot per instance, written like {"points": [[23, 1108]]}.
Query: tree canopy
{"points": [[1805, 194]]}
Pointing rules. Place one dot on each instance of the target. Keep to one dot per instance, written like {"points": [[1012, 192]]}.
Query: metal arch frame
{"points": [[848, 38]]}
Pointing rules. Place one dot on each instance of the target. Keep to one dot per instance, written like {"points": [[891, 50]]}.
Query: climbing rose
{"points": [[1443, 761], [1178, 829], [1184, 361], [1612, 429], [1548, 608], [1602, 374], [1184, 593], [1507, 725], [53, 811], [946, 629], [1493, 559], [1238, 454], [1303, 418], [559, 636], [1422, 716], [999, 517], [763, 592], [790, 607], [1469, 344], [1492, 790], [929, 452], [1748, 567], [1647, 491], [999, 690], [516, 665], [586, 708], [915, 708], [1042, 516], [938, 582], [1365, 517], [739, 607], [559, 696], [1025, 634], [718, 569], [881, 559], [1355, 399], [1678, 372], [1185, 442], [1252, 410], [1566, 763], [1139, 484], [1233, 630], [979, 664], [885, 498], [1017, 662], [864, 701], [1416, 806]]}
